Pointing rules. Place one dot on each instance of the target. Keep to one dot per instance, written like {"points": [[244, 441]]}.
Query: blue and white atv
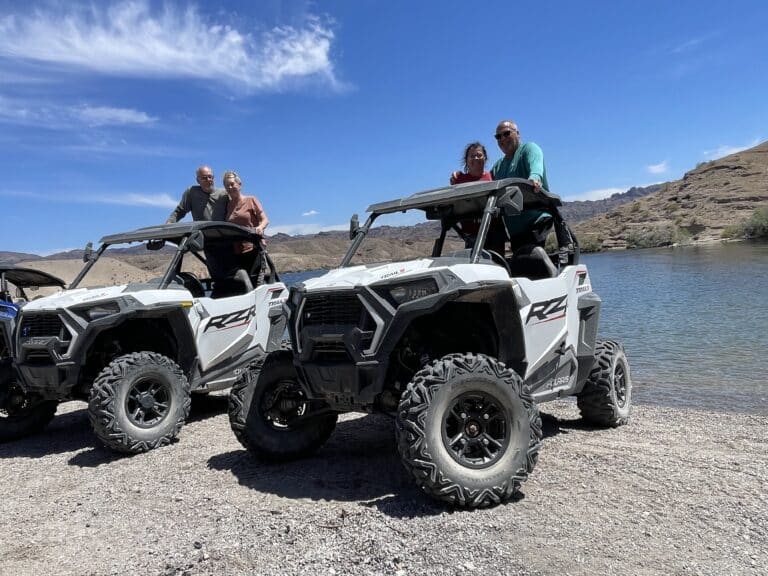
{"points": [[14, 283], [459, 345]]}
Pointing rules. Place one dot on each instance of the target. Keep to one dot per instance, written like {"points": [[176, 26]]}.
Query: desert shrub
{"points": [[590, 243], [755, 227], [732, 231], [663, 235]]}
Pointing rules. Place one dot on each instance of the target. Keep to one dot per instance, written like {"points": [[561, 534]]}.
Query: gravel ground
{"points": [[677, 491]]}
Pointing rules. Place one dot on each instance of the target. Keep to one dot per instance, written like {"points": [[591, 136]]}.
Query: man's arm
{"points": [[181, 210], [534, 159]]}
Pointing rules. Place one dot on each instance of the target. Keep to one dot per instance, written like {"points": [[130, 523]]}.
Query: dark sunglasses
{"points": [[504, 134]]}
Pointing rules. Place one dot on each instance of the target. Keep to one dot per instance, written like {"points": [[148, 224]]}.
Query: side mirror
{"points": [[88, 252], [354, 226], [511, 201]]}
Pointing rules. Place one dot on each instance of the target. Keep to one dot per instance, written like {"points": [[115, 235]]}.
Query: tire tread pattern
{"points": [[240, 397], [102, 410], [260, 439], [597, 400], [411, 434]]}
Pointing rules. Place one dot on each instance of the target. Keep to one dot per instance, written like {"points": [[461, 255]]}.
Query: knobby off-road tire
{"points": [[21, 414], [139, 402], [264, 404], [606, 399], [240, 396], [467, 431]]}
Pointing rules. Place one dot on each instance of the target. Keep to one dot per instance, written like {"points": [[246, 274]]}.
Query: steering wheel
{"points": [[498, 259], [192, 284]]}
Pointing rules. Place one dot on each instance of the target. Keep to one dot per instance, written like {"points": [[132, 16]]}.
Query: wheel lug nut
{"points": [[485, 416], [485, 441], [463, 415]]}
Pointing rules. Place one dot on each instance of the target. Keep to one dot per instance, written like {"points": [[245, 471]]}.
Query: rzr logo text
{"points": [[546, 311], [231, 320]]}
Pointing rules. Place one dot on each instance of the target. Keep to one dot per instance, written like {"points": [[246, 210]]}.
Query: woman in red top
{"points": [[246, 211], [475, 157]]}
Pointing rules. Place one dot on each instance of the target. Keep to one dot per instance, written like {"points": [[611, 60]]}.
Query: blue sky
{"points": [[107, 108]]}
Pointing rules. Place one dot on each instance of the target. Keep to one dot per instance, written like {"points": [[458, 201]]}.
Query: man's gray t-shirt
{"points": [[203, 206]]}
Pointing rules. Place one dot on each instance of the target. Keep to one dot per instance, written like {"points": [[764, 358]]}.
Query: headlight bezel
{"points": [[98, 310], [408, 291]]}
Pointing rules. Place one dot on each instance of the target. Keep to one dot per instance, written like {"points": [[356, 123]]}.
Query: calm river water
{"points": [[694, 321]]}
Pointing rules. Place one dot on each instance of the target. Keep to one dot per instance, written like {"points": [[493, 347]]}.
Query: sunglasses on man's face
{"points": [[206, 177], [504, 134]]}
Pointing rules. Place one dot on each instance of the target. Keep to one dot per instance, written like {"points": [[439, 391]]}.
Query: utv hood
{"points": [[367, 274], [69, 298]]}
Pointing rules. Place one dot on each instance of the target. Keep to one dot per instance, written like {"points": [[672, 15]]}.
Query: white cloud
{"points": [[156, 201], [127, 199], [131, 39], [58, 117], [108, 116], [659, 168], [687, 45], [300, 229], [310, 213], [596, 194], [726, 150]]}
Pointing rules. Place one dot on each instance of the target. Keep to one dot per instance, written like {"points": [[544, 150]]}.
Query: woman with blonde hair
{"points": [[246, 211]]}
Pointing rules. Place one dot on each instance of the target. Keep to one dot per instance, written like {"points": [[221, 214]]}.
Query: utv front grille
{"points": [[42, 325], [332, 309], [327, 319]]}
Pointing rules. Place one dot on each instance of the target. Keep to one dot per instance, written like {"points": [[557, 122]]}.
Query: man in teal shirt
{"points": [[521, 161]]}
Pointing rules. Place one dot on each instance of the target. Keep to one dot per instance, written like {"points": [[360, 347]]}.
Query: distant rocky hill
{"points": [[580, 210], [16, 257], [696, 208]]}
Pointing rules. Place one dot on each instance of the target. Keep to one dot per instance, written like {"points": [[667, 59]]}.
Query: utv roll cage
{"points": [[481, 200], [194, 237], [21, 278]]}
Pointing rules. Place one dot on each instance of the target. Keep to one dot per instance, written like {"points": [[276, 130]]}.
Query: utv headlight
{"points": [[99, 311], [406, 292]]}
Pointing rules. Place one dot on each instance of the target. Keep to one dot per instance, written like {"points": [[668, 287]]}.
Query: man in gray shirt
{"points": [[204, 200]]}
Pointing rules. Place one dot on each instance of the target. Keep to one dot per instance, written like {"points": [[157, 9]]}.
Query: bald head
{"points": [[507, 137], [204, 177]]}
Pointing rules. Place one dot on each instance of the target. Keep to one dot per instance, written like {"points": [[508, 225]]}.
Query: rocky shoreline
{"points": [[677, 491]]}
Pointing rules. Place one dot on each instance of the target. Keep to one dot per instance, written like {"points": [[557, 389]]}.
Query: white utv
{"points": [[459, 345], [137, 351]]}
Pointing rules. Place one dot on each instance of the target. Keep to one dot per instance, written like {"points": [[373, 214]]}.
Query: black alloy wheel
{"points": [[148, 402], [476, 430]]}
